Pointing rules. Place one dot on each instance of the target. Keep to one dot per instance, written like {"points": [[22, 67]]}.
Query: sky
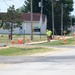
{"points": [[4, 5], [73, 13]]}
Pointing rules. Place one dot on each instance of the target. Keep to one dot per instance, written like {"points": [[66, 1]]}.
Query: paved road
{"points": [[55, 63]]}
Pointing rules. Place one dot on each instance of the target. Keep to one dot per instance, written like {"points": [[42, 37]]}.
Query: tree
{"points": [[67, 9], [47, 10], [26, 6], [11, 17]]}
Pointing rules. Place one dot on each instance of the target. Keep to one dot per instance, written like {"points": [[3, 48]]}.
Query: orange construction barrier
{"points": [[12, 42]]}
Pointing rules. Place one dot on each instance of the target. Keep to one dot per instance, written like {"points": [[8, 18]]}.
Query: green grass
{"points": [[4, 38], [12, 51], [70, 41]]}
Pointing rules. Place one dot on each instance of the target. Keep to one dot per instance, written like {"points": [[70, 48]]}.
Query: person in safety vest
{"points": [[48, 33]]}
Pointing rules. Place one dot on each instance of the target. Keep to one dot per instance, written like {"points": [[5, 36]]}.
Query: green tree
{"points": [[11, 17], [47, 10], [26, 6], [67, 9]]}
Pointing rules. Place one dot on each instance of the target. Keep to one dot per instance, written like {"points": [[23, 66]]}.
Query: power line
{"points": [[17, 1], [11, 1], [5, 2], [8, 0]]}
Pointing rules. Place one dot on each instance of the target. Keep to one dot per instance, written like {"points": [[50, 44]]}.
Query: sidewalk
{"points": [[39, 42]]}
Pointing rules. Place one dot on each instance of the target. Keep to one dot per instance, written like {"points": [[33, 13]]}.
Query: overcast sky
{"points": [[73, 13], [4, 4]]}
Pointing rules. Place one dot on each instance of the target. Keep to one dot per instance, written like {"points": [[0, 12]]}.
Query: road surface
{"points": [[55, 63]]}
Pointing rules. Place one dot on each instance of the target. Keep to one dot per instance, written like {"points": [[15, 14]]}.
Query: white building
{"points": [[39, 25], [72, 29]]}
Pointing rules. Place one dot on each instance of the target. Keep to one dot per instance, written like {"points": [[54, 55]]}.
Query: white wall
{"points": [[16, 30], [4, 31], [27, 27], [43, 29]]}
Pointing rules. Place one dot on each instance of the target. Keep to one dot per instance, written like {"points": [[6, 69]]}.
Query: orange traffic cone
{"points": [[20, 41], [12, 42], [64, 40]]}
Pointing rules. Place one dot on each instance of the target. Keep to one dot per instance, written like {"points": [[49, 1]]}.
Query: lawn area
{"points": [[15, 51], [69, 41], [28, 50], [5, 39]]}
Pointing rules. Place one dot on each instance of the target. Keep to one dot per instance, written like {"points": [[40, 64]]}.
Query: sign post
{"points": [[24, 37]]}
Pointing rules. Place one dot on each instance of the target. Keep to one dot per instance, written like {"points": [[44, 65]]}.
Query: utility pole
{"points": [[41, 9], [71, 26], [41, 21], [61, 19], [41, 16], [31, 20], [11, 30], [53, 17]]}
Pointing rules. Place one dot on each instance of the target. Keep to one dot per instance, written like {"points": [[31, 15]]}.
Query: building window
{"points": [[36, 29]]}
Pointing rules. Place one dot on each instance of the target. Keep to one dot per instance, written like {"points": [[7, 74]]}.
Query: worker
{"points": [[48, 33]]}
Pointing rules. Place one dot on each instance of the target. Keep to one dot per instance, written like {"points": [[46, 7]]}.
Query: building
{"points": [[39, 25], [72, 29]]}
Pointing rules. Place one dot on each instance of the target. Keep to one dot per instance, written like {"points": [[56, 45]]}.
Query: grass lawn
{"points": [[14, 51], [4, 38], [70, 41]]}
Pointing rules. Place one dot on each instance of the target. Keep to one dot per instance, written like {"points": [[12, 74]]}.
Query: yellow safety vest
{"points": [[48, 33]]}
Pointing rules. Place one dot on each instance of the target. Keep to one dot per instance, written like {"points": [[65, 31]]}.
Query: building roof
{"points": [[27, 16], [36, 17]]}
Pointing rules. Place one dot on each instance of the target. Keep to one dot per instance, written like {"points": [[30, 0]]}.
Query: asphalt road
{"points": [[60, 62]]}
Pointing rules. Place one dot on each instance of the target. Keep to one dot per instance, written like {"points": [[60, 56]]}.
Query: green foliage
{"points": [[12, 16], [6, 25], [69, 41], [26, 7], [47, 10]]}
